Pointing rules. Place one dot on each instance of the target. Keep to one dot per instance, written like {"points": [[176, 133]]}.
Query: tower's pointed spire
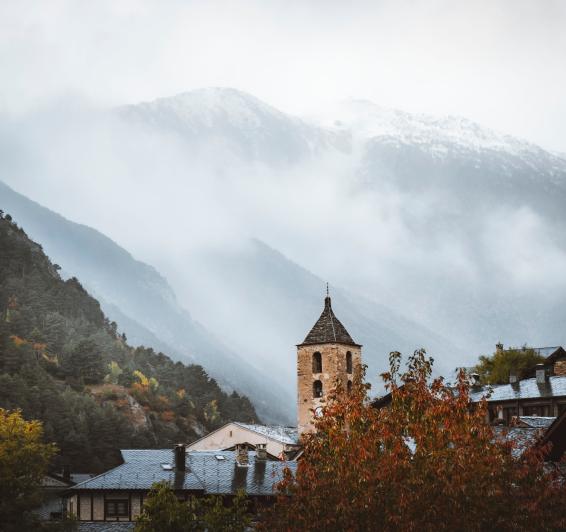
{"points": [[328, 328]]}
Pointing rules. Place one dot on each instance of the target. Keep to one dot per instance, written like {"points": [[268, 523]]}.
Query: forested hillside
{"points": [[63, 362]]}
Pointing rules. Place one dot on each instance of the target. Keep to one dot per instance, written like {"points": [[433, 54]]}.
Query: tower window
{"points": [[348, 362], [317, 389], [317, 362]]}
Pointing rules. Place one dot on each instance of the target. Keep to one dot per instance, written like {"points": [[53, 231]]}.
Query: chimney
{"points": [[242, 454], [540, 373], [180, 454], [498, 347], [67, 472], [261, 451], [513, 379]]}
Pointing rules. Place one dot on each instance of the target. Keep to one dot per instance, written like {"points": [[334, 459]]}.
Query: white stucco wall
{"points": [[230, 435]]}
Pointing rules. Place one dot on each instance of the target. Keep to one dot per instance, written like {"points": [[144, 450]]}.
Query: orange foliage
{"points": [[426, 462], [18, 342]]}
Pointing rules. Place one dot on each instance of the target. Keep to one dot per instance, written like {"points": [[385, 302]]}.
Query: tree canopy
{"points": [[496, 368], [24, 459], [163, 512], [427, 462]]}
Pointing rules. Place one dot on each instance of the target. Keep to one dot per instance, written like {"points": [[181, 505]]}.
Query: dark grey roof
{"points": [[286, 435], [537, 422], [328, 329], [211, 472], [524, 389]]}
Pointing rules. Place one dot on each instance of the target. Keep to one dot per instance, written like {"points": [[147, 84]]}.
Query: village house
{"points": [[118, 495]]}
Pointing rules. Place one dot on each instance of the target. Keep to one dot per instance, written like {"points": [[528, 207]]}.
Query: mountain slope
{"points": [[140, 299], [63, 362]]}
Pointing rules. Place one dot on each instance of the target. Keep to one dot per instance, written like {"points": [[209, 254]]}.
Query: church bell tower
{"points": [[327, 354]]}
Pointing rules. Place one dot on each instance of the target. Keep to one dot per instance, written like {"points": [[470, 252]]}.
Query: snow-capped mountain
{"points": [[441, 137], [219, 119]]}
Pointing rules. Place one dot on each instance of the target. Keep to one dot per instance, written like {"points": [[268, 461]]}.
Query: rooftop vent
{"points": [[167, 467], [220, 457]]}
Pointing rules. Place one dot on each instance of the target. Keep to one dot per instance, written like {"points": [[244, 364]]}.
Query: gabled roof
{"points": [[328, 329], [210, 472]]}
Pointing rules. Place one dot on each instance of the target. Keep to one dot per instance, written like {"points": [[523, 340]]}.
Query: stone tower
{"points": [[328, 353]]}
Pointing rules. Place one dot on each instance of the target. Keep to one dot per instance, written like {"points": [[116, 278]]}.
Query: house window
{"points": [[348, 362], [116, 507], [317, 362], [317, 389]]}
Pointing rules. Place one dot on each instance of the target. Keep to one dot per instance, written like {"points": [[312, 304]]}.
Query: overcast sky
{"points": [[502, 63]]}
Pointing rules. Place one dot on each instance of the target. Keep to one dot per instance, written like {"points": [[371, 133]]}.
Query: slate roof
{"points": [[286, 435], [205, 473], [328, 329], [524, 389], [536, 422]]}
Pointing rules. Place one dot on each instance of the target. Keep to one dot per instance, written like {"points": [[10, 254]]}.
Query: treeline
{"points": [[64, 363]]}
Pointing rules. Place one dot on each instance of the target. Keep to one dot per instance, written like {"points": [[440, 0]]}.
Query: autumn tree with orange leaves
{"points": [[426, 462]]}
